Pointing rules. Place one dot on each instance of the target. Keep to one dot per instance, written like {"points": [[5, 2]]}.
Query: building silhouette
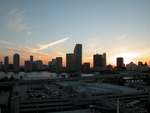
{"points": [[58, 64], [143, 67], [16, 62], [39, 65], [97, 62], [31, 62], [131, 67], [104, 60], [120, 64], [6, 63], [86, 67], [1, 65], [31, 58], [70, 62], [52, 65], [27, 66], [78, 57]]}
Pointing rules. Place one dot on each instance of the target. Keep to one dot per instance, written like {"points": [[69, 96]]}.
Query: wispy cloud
{"points": [[16, 21], [29, 33], [92, 45], [42, 47], [4, 42], [29, 50], [86, 58], [25, 51], [20, 49], [122, 36]]}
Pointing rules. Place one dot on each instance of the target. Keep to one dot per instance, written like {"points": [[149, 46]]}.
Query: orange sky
{"points": [[110, 60]]}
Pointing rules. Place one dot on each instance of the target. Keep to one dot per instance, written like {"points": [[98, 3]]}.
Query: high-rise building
{"points": [[27, 66], [16, 62], [120, 63], [86, 67], [31, 62], [58, 64], [31, 58], [78, 57], [98, 60], [52, 65], [70, 62], [104, 60], [142, 67], [1, 65], [39, 65], [6, 63]]}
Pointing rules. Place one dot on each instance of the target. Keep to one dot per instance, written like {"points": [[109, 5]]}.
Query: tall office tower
{"points": [[6, 63], [104, 60], [52, 65], [58, 64], [120, 64], [31, 58], [1, 65], [98, 60], [70, 62], [86, 67], [78, 57], [39, 65], [27, 66], [16, 62], [31, 62]]}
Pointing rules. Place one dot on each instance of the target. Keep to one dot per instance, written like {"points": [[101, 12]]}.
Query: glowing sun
{"points": [[128, 57]]}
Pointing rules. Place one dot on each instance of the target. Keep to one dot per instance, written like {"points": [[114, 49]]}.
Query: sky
{"points": [[48, 29]]}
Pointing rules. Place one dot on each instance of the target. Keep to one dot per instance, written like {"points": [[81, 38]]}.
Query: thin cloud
{"points": [[60, 53], [16, 21], [4, 42], [29, 33], [25, 50], [86, 58], [42, 47], [122, 36]]}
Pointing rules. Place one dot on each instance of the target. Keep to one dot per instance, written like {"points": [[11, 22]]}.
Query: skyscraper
{"points": [[58, 64], [120, 64], [27, 66], [52, 65], [31, 62], [104, 60], [1, 65], [70, 62], [16, 62], [31, 58], [86, 67], [78, 57], [6, 63], [39, 65], [98, 60]]}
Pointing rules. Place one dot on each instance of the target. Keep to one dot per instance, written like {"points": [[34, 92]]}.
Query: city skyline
{"points": [[98, 59], [50, 29]]}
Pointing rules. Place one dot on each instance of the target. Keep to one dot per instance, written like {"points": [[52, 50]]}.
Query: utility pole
{"points": [[117, 105]]}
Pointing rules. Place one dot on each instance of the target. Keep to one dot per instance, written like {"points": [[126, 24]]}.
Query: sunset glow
{"points": [[52, 28], [128, 57]]}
